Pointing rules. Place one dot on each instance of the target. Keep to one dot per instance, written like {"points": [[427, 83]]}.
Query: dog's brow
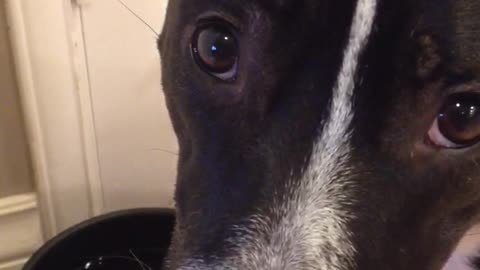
{"points": [[280, 4]]}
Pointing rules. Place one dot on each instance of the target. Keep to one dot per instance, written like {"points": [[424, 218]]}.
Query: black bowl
{"points": [[136, 239]]}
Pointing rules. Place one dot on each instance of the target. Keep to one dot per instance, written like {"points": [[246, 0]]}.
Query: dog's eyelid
{"points": [[462, 86], [220, 17]]}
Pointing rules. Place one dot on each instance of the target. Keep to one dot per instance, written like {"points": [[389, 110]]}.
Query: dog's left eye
{"points": [[215, 49], [458, 123]]}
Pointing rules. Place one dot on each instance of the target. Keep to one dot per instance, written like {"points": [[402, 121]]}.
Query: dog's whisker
{"points": [[165, 151], [139, 18], [143, 265], [133, 258]]}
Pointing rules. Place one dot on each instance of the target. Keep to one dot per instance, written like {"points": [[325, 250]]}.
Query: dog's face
{"points": [[321, 134]]}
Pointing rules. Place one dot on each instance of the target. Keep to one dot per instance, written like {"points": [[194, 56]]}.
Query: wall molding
{"points": [[13, 265], [23, 67], [18, 203], [21, 230], [52, 75], [80, 62]]}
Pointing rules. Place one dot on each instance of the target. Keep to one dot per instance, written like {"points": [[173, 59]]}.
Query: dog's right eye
{"points": [[458, 123], [215, 49]]}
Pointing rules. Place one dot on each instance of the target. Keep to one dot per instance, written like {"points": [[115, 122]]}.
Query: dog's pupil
{"points": [[459, 120], [216, 49]]}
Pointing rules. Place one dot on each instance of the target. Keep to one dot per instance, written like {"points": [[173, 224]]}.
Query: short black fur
{"points": [[241, 143]]}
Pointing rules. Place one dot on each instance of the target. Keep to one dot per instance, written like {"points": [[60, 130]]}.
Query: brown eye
{"points": [[458, 123], [215, 49]]}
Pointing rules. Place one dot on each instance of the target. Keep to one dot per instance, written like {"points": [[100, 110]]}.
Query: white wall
{"points": [[131, 121]]}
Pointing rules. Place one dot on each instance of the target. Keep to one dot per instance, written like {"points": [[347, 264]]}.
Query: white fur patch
{"points": [[467, 248], [323, 196], [311, 231], [458, 262]]}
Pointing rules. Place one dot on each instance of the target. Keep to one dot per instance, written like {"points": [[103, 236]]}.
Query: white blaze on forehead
{"points": [[312, 231], [322, 197], [341, 110]]}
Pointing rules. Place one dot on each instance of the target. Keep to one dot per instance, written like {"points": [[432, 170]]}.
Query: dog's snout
{"points": [[322, 135]]}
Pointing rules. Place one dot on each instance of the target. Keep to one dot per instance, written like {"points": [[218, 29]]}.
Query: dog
{"points": [[321, 134]]}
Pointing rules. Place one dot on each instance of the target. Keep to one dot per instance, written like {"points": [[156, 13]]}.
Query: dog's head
{"points": [[321, 134]]}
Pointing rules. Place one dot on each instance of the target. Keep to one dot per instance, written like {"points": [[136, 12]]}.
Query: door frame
{"points": [[56, 102]]}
